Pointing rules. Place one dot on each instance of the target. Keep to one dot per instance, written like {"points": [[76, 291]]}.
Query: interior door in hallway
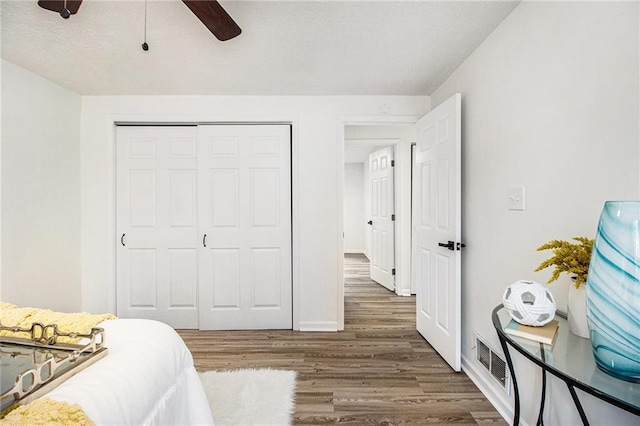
{"points": [[157, 224], [382, 217], [245, 278], [437, 229]]}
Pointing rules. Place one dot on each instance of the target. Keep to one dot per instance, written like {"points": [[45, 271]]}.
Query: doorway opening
{"points": [[369, 198], [436, 271], [363, 232]]}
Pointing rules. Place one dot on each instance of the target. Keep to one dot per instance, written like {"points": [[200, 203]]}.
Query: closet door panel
{"points": [[157, 238], [225, 278], [143, 278], [182, 198], [245, 203], [265, 198], [183, 278], [265, 276], [142, 198], [223, 198]]}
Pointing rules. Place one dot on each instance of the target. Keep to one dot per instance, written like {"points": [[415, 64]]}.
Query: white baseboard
{"points": [[500, 400], [405, 292], [318, 326]]}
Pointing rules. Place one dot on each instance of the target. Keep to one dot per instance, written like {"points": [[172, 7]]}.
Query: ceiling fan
{"points": [[210, 13]]}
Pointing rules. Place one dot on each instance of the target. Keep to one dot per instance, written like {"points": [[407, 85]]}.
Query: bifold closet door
{"points": [[244, 204], [157, 247]]}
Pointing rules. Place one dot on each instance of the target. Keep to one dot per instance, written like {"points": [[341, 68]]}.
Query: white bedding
{"points": [[148, 378]]}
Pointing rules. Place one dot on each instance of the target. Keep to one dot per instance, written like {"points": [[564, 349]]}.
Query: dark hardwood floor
{"points": [[378, 371]]}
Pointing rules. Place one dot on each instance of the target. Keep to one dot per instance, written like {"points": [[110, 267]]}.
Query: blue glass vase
{"points": [[613, 291]]}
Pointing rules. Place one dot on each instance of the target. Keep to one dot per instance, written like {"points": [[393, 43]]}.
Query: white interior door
{"points": [[438, 229], [157, 224], [245, 222], [382, 218]]}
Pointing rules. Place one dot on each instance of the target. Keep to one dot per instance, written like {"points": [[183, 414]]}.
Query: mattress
{"points": [[148, 378]]}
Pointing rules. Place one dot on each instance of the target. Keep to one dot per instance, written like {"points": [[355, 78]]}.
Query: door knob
{"points": [[448, 245], [370, 222]]}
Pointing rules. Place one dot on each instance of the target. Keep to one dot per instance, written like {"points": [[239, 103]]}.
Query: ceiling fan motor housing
{"points": [[65, 8]]}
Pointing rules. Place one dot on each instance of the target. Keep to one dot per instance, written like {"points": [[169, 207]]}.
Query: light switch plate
{"points": [[515, 197]]}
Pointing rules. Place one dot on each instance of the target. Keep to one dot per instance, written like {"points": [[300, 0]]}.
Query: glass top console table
{"points": [[569, 358]]}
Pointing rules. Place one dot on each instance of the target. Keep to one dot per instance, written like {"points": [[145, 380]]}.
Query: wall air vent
{"points": [[493, 363]]}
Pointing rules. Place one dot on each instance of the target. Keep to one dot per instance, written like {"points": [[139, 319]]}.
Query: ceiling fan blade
{"points": [[58, 5], [215, 18]]}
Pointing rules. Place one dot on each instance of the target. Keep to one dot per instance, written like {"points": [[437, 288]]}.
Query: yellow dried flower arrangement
{"points": [[572, 258]]}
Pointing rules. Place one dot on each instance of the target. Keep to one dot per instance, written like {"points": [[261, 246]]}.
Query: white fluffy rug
{"points": [[250, 397]]}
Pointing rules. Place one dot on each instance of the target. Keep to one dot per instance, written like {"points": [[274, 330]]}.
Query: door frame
{"points": [[113, 120], [403, 251]]}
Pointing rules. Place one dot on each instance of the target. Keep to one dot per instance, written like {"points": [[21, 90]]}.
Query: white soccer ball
{"points": [[529, 303]]}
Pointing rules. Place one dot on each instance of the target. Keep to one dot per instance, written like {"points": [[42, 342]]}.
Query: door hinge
{"points": [[393, 217], [393, 163], [393, 271]]}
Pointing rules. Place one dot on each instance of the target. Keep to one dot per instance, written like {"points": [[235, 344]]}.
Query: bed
{"points": [[147, 378]]}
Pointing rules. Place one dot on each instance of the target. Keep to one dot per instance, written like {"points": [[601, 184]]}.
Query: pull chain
{"points": [[145, 46]]}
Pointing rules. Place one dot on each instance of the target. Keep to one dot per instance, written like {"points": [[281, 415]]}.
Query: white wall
{"points": [[550, 101], [354, 220], [40, 191], [317, 156]]}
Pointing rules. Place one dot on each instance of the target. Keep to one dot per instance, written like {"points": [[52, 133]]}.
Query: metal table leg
{"points": [[516, 394], [576, 401], [544, 389]]}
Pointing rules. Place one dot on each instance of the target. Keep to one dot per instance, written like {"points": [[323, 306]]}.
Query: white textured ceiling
{"points": [[286, 47]]}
